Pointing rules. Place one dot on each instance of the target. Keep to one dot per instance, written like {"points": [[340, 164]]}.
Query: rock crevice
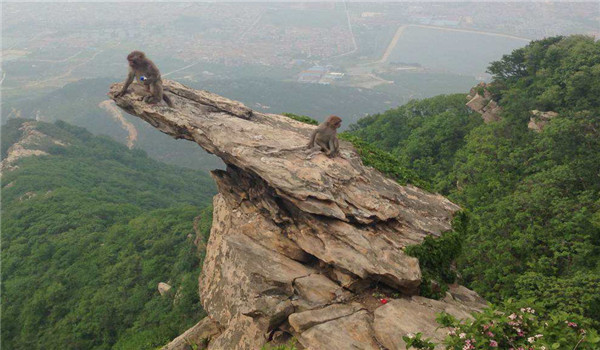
{"points": [[296, 237]]}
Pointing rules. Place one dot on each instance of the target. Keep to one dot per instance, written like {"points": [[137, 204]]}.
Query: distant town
{"points": [[353, 44]]}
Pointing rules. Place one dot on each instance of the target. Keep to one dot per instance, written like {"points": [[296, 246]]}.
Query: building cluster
{"points": [[252, 35], [439, 21], [319, 75]]}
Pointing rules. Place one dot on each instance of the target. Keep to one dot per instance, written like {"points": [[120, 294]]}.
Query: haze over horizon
{"points": [[313, 58]]}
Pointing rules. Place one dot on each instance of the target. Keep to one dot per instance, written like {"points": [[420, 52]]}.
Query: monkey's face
{"points": [[334, 121], [135, 58]]}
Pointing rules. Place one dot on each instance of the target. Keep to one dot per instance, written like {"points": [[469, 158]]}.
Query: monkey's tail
{"points": [[168, 100]]}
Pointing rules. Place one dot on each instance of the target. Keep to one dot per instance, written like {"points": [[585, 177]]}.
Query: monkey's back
{"points": [[148, 70]]}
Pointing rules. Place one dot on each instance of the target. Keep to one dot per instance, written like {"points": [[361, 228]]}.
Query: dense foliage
{"points": [[533, 198], [383, 161], [552, 74], [436, 256], [422, 135], [88, 231]]}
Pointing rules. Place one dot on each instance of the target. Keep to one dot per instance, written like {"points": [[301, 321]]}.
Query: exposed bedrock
{"points": [[299, 240]]}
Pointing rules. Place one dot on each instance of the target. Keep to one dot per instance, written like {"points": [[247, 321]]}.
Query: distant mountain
{"points": [[318, 101], [84, 103], [89, 229]]}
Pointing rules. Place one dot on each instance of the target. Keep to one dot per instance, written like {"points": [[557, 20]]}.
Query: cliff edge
{"points": [[299, 241]]}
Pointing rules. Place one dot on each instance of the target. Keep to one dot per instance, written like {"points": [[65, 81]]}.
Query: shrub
{"points": [[301, 118], [515, 327]]}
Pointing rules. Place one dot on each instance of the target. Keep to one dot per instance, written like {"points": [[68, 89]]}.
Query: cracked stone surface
{"points": [[488, 108], [417, 314], [296, 237], [345, 333]]}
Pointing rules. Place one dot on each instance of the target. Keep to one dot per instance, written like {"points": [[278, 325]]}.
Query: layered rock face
{"points": [[300, 242], [539, 119], [480, 101]]}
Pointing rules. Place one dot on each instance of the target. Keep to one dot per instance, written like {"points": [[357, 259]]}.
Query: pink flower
{"points": [[572, 324], [462, 335], [490, 334], [512, 316], [493, 344]]}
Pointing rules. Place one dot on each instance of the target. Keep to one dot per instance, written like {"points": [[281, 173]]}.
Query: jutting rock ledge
{"points": [[299, 240]]}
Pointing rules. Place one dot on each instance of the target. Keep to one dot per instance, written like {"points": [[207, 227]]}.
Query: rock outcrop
{"points": [[163, 288], [27, 146], [480, 100], [299, 241], [539, 119]]}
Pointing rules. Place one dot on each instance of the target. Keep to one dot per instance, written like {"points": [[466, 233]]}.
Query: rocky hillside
{"points": [[302, 245]]}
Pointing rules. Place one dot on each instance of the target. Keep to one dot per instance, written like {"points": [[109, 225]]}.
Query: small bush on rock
{"points": [[516, 328]]}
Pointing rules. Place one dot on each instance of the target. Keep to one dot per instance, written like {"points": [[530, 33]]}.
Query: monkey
{"points": [[147, 73], [325, 136]]}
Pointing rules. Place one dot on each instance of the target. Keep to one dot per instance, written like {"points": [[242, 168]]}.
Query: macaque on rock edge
{"points": [[147, 73], [325, 136]]}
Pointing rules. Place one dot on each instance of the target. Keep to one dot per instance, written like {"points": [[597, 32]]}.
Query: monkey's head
{"points": [[334, 121], [136, 58]]}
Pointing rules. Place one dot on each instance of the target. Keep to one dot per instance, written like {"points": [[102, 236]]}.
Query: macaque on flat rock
{"points": [[147, 73], [325, 136]]}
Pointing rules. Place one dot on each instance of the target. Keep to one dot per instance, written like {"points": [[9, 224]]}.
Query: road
{"points": [[64, 75], [472, 31], [251, 26], [115, 112], [180, 69], [351, 35], [57, 61], [392, 44], [400, 31]]}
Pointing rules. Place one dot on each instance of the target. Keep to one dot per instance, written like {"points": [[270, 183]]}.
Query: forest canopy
{"points": [[533, 198], [88, 231]]}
